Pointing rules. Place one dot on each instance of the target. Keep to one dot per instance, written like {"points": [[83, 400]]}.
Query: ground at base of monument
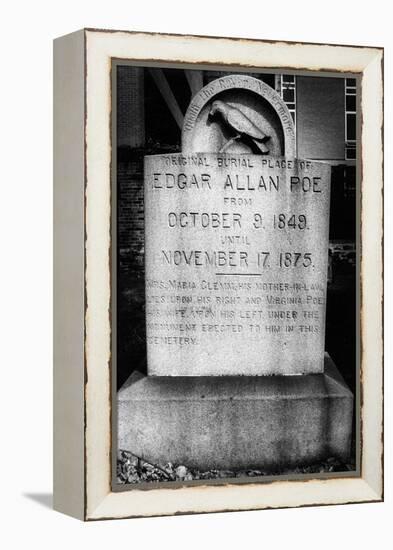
{"points": [[132, 470], [237, 423]]}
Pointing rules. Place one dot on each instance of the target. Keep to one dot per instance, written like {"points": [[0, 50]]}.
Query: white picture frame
{"points": [[82, 334]]}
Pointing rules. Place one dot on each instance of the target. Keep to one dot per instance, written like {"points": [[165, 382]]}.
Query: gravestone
{"points": [[236, 243], [203, 132], [236, 257], [236, 264]]}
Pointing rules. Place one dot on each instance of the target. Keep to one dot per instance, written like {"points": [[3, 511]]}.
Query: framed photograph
{"points": [[218, 274]]}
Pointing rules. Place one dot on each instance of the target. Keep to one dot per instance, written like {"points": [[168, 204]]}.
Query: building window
{"points": [[350, 118], [349, 180], [287, 90]]}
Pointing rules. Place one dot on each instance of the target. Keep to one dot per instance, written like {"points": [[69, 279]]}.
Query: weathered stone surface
{"points": [[236, 264], [236, 422], [203, 132]]}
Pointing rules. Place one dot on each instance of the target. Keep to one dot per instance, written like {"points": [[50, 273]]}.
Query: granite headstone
{"points": [[236, 264], [236, 252]]}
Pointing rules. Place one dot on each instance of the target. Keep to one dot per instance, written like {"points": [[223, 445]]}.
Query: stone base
{"points": [[236, 422]]}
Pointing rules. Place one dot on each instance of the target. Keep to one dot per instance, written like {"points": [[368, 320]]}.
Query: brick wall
{"points": [[130, 106], [130, 216]]}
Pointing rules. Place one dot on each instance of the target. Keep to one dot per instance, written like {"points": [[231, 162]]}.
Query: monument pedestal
{"points": [[237, 422]]}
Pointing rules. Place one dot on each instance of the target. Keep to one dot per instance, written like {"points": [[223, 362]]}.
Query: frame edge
{"points": [[69, 276]]}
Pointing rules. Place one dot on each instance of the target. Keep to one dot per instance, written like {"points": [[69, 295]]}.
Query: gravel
{"points": [[132, 469]]}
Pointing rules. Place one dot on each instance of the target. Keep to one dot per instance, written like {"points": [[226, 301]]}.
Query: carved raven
{"points": [[239, 122]]}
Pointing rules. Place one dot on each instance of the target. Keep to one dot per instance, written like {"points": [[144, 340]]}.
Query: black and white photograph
{"points": [[218, 210], [235, 275], [197, 293]]}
